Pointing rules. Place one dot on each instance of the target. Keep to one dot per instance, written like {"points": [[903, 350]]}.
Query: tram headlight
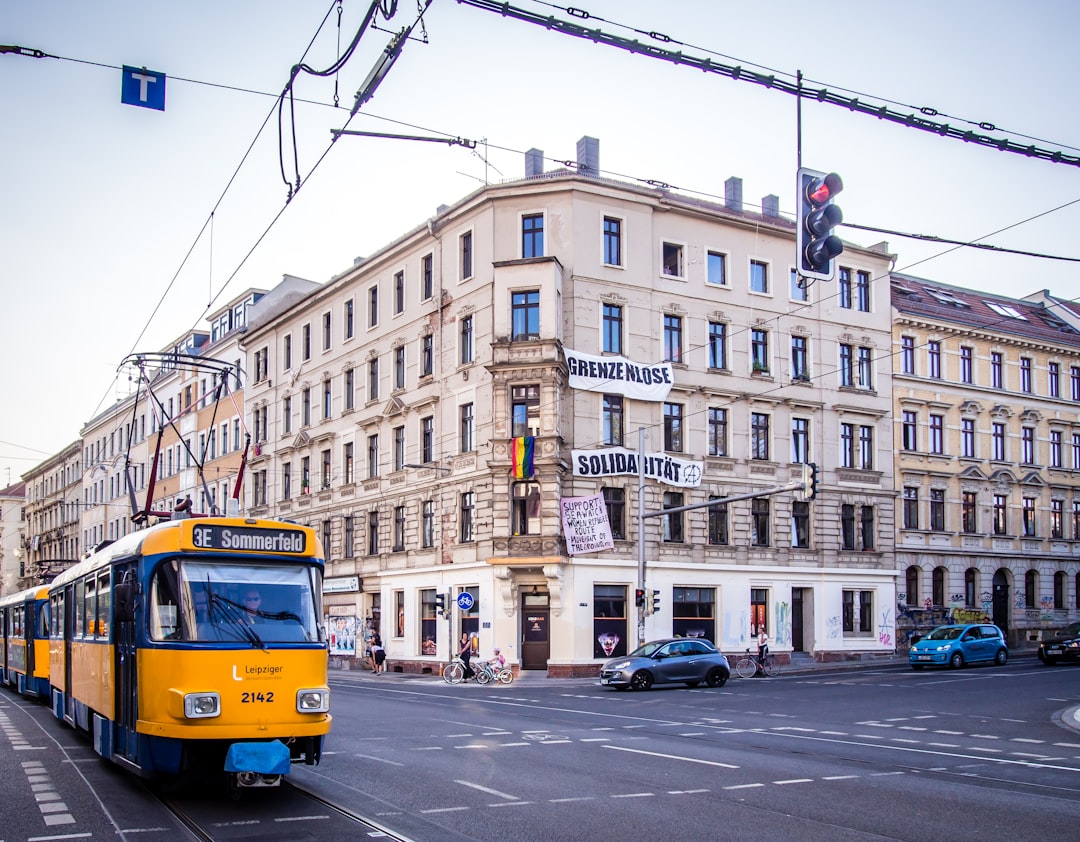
{"points": [[314, 700], [202, 705]]}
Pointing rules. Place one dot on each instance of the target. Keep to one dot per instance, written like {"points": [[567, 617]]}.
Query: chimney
{"points": [[588, 156], [733, 194], [770, 205], [534, 163]]}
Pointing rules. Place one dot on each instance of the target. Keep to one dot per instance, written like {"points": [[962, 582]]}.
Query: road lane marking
{"points": [[672, 757], [488, 790], [794, 781], [744, 786]]}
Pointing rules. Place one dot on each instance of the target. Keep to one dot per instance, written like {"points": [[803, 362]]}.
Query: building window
{"points": [[968, 522], [373, 532], [467, 443], [843, 287], [693, 613], [466, 340], [672, 338], [1001, 515], [800, 367], [1025, 374], [373, 456], [912, 582], [672, 260], [427, 277], [525, 411], [1076, 451], [937, 587], [1076, 520], [350, 388], [615, 503], [373, 379], [399, 529], [532, 235], [800, 524], [427, 355], [673, 429], [261, 363], [717, 345], [327, 332], [327, 399], [937, 510], [759, 350], [609, 632], [759, 610], [967, 438], [427, 524], [673, 523], [349, 537], [349, 321], [305, 407], [399, 448], [997, 438], [305, 342], [525, 508], [305, 475], [1074, 382], [399, 367], [847, 365], [937, 434], [1059, 591], [718, 431], [286, 481], [286, 414], [933, 359], [613, 419], [716, 268], [866, 447], [1057, 518], [911, 507], [612, 241], [996, 370], [427, 439], [525, 315], [399, 292], [799, 289], [847, 445], [1055, 449], [1027, 445], [347, 463], [907, 354], [909, 430], [1028, 509], [373, 306], [759, 276], [858, 612], [718, 523], [966, 365], [971, 587], [800, 440], [612, 329], [1031, 589], [867, 518], [465, 255], [467, 514], [862, 289], [286, 353], [759, 436], [759, 522]]}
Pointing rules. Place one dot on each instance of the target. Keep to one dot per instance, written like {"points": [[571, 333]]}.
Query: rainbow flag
{"points": [[521, 452]]}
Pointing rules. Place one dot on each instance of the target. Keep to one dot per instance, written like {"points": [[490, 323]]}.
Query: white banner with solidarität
{"points": [[585, 524]]}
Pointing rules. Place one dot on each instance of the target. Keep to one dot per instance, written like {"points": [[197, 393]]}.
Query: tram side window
{"points": [[164, 615], [80, 593], [17, 621], [90, 614], [56, 615], [104, 606], [42, 621]]}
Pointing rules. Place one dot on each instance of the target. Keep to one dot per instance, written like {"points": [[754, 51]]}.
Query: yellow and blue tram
{"points": [[195, 646], [24, 629]]}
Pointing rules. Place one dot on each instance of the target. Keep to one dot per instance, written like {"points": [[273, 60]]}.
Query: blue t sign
{"points": [[142, 87]]}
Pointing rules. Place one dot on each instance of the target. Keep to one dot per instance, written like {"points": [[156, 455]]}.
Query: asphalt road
{"points": [[867, 753]]}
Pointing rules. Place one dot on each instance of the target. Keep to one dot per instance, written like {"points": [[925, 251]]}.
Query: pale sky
{"points": [[104, 201]]}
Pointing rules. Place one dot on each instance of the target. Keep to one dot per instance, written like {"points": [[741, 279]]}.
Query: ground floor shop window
{"points": [[759, 610], [858, 612], [609, 621], [428, 622], [470, 620], [694, 613]]}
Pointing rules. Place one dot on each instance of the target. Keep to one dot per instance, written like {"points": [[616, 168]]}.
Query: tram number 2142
{"points": [[256, 698]]}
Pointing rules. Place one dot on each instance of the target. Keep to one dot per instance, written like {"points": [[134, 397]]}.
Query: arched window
{"points": [[1031, 589], [939, 587], [971, 587], [1059, 591], [913, 585]]}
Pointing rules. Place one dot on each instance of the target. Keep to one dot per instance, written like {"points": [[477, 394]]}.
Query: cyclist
{"points": [[498, 660], [762, 649]]}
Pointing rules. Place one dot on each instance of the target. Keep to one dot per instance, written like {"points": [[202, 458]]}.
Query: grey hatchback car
{"points": [[679, 660]]}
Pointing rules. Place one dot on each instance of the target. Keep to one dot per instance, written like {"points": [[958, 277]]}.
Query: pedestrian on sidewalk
{"points": [[378, 654]]}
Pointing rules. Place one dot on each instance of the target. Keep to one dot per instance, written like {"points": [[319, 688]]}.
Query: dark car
{"points": [[1062, 646], [679, 660], [958, 645]]}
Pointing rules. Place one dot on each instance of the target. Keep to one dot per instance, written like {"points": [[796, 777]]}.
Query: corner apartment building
{"points": [[12, 538], [387, 403], [53, 513], [987, 391]]}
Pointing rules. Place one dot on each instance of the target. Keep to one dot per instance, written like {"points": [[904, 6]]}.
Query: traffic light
{"points": [[639, 597], [809, 478], [655, 601], [815, 242], [440, 604]]}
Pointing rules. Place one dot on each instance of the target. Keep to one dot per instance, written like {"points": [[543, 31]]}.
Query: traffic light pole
{"points": [[641, 535]]}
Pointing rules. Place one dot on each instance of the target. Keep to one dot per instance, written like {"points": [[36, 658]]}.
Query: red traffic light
{"points": [[822, 190]]}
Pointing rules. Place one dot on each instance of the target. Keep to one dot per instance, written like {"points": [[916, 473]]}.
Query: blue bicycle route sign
{"points": [[465, 601]]}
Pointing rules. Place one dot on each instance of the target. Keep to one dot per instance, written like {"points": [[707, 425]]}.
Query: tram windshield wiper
{"points": [[234, 615]]}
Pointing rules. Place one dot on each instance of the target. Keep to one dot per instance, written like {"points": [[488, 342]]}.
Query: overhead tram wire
{"points": [[772, 81]]}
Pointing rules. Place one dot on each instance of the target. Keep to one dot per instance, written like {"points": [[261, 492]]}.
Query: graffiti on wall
{"points": [[783, 624], [885, 629], [832, 628]]}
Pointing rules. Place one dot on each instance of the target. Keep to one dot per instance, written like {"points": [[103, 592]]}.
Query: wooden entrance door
{"points": [[535, 641]]}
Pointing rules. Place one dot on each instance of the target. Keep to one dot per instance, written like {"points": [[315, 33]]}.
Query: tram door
{"points": [[126, 742], [69, 635]]}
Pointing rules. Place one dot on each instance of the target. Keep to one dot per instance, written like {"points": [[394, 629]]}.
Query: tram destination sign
{"points": [[248, 539]]}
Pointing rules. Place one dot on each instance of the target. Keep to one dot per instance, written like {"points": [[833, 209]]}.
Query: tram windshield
{"points": [[245, 603]]}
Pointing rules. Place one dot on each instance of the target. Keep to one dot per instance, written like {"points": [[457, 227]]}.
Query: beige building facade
{"points": [[986, 399], [566, 313]]}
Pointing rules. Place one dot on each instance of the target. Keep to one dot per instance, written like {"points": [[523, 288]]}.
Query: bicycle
{"points": [[454, 671], [486, 673], [749, 665]]}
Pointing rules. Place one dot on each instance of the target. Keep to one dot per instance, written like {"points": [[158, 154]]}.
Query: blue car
{"points": [[959, 645]]}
